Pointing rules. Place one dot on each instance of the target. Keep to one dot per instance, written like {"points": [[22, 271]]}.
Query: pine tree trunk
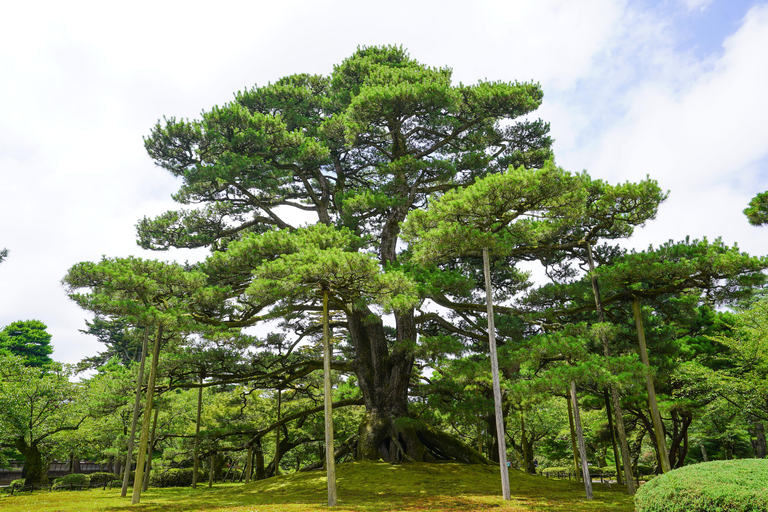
{"points": [[134, 419], [582, 446], [500, 431], [658, 426], [574, 447], [196, 465], [144, 440], [212, 469], [277, 433], [150, 451], [249, 464], [616, 456], [761, 449], [330, 462], [618, 414]]}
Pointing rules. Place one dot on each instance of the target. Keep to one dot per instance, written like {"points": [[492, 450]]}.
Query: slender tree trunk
{"points": [[704, 453], [143, 441], [618, 414], [500, 431], [616, 456], [330, 462], [212, 469], [249, 463], [524, 442], [574, 447], [197, 433], [150, 451], [658, 426], [136, 408], [580, 438], [261, 473], [759, 444], [277, 434]]}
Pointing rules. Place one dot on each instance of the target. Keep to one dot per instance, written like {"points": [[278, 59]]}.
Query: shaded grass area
{"points": [[362, 486]]}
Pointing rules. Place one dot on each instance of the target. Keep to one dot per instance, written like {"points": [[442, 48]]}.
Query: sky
{"points": [[671, 89]]}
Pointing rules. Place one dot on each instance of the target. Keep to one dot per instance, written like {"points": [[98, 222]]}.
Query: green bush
{"points": [[180, 477], [100, 477], [71, 479], [722, 486], [19, 482], [644, 469]]}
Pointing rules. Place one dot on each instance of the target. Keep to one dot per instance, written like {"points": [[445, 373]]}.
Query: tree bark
{"points": [[212, 469], [34, 461], [658, 426], [196, 465], [143, 441], [574, 447], [330, 462], [277, 430], [616, 456], [582, 446], [759, 444], [150, 451], [704, 453], [618, 414], [134, 419], [500, 431], [249, 463]]}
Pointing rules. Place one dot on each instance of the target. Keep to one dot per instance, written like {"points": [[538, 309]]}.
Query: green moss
{"points": [[721, 486], [362, 486]]}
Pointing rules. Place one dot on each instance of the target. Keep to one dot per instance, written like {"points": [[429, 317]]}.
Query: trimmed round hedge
{"points": [[722, 486]]}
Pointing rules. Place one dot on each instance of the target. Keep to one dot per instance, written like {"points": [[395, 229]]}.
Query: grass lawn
{"points": [[362, 486]]}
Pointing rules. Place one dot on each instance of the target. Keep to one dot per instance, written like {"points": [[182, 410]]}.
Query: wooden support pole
{"points": [[658, 426], [330, 461], [500, 432]]}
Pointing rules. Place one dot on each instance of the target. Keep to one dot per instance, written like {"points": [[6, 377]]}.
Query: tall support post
{"points": [[574, 447], [330, 461], [616, 456], [136, 407], [212, 470], [496, 384], [277, 434], [582, 446], [150, 450], [197, 432], [658, 426], [617, 412], [145, 424]]}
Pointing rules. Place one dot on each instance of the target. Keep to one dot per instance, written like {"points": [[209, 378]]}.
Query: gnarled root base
{"points": [[408, 440]]}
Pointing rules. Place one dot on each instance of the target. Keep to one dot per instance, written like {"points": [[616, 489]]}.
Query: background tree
{"points": [[757, 211], [36, 403], [28, 339]]}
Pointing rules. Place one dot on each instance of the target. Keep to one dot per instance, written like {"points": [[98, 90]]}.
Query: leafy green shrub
{"points": [[71, 479], [19, 482], [100, 477], [644, 469], [723, 486], [178, 477]]}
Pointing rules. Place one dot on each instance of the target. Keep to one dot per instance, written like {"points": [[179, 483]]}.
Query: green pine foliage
{"points": [[723, 486]]}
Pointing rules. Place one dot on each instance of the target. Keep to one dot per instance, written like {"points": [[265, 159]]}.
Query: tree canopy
{"points": [[28, 339]]}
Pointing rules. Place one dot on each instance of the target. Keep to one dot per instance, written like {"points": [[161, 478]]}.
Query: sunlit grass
{"points": [[362, 486]]}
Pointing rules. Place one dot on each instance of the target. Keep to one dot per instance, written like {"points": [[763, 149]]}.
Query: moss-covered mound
{"points": [[723, 486]]}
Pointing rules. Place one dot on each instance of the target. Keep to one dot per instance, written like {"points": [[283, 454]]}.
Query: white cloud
{"points": [[696, 5]]}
